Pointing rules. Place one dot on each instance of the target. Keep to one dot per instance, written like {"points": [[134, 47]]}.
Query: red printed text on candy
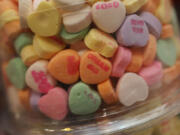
{"points": [[90, 95], [98, 62], [93, 68], [103, 6], [41, 80], [72, 65], [137, 26]]}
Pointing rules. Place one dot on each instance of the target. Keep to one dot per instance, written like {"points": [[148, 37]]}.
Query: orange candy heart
{"points": [[94, 68], [65, 66], [137, 60]]}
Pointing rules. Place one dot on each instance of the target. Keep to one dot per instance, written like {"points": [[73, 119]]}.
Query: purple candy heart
{"points": [[153, 24], [133, 32]]}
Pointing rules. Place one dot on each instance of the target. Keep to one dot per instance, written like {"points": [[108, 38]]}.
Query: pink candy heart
{"points": [[54, 104]]}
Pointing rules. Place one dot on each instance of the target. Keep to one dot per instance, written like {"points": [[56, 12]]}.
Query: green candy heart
{"points": [[16, 73], [166, 52], [70, 38], [23, 40], [83, 100]]}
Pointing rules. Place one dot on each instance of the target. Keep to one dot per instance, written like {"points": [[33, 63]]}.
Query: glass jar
{"points": [[89, 67]]}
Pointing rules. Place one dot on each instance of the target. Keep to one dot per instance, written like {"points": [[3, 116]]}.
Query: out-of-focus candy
{"points": [[133, 6], [131, 88], [101, 42], [25, 8], [54, 104], [136, 60], [10, 28], [80, 47], [23, 40], [28, 55], [107, 92], [120, 61], [65, 66], [177, 44], [133, 32], [151, 6], [167, 31], [172, 73], [175, 22], [83, 100], [71, 38], [38, 78], [69, 5], [76, 21], [36, 3], [45, 20], [46, 48], [34, 99], [150, 51], [8, 16], [153, 73], [94, 68], [153, 24], [16, 72], [164, 11], [166, 52], [108, 16], [24, 97]]}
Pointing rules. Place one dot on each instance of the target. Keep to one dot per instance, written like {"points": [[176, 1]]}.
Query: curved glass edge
{"points": [[162, 106]]}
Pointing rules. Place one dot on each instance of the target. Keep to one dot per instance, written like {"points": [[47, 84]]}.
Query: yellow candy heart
{"points": [[45, 20], [46, 48], [101, 42], [28, 55], [133, 6], [163, 11]]}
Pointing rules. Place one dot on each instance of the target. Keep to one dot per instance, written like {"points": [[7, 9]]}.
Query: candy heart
{"points": [[54, 104], [101, 42], [131, 88], [78, 20], [83, 100], [65, 66], [133, 6], [133, 32], [120, 61], [166, 52], [45, 20], [153, 73], [23, 40], [71, 38], [46, 48], [38, 78], [29, 55], [154, 25], [94, 68], [69, 5], [16, 72], [108, 16]]}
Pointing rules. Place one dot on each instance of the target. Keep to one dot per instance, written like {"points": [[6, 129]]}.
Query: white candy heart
{"points": [[38, 78], [77, 20], [132, 88], [108, 16]]}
